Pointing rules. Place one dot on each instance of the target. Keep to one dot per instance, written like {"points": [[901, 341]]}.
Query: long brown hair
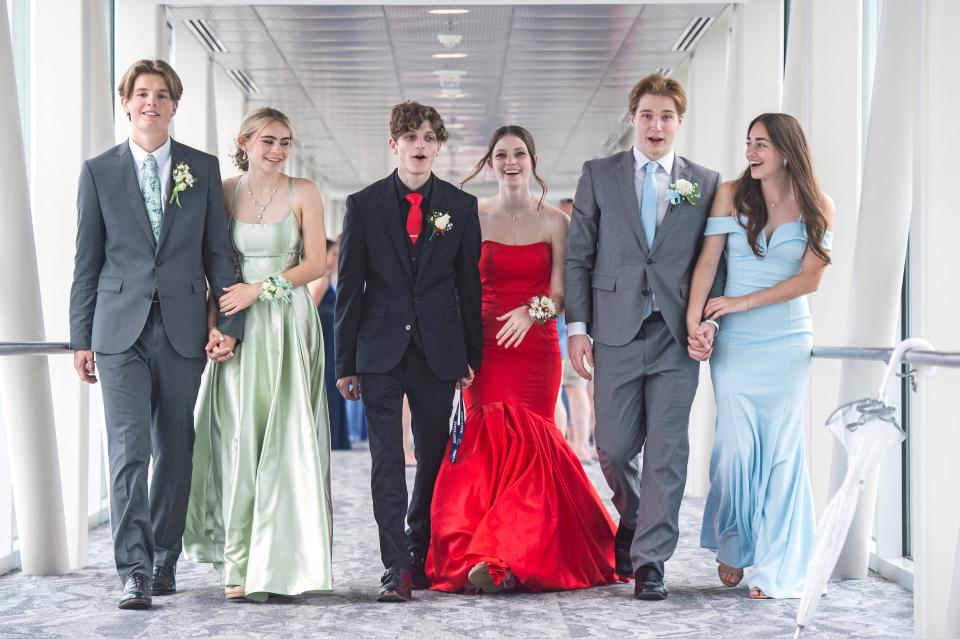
{"points": [[527, 138], [787, 136]]}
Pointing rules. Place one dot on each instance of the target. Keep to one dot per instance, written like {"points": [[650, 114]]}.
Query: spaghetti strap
{"points": [[289, 195]]}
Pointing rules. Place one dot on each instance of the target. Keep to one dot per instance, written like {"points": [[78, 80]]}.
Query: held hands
{"points": [[85, 366], [349, 387], [700, 341], [580, 347], [220, 347], [514, 329], [719, 306], [238, 297]]}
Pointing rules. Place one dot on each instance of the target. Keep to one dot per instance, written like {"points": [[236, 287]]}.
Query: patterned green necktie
{"points": [[151, 194]]}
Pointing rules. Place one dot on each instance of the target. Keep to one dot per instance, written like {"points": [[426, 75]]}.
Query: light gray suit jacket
{"points": [[610, 272], [118, 264]]}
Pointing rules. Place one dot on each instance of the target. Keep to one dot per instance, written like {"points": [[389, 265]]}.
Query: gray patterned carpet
{"points": [[83, 603]]}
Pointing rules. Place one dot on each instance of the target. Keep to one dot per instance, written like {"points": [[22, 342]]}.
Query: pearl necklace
{"points": [[257, 204]]}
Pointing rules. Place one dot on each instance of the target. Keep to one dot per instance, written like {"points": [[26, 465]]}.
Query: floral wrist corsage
{"points": [[541, 308], [276, 288]]}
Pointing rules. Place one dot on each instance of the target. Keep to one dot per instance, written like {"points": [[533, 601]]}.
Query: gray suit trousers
{"points": [[149, 391], [643, 393]]}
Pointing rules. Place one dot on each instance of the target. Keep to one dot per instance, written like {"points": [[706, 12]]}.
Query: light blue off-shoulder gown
{"points": [[759, 511]]}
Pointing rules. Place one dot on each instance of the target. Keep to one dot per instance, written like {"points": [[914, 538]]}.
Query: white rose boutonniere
{"points": [[683, 190], [182, 180], [440, 224]]}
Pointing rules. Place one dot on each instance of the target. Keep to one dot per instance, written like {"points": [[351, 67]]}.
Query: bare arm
{"points": [[805, 282], [708, 262], [314, 262], [559, 225]]}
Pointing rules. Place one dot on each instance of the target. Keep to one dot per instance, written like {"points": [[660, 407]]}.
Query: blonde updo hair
{"points": [[256, 120]]}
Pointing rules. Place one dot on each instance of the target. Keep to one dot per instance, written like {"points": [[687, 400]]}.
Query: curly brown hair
{"points": [[410, 116], [658, 84]]}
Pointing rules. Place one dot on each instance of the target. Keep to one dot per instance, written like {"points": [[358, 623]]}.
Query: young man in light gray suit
{"points": [[634, 238], [152, 231]]}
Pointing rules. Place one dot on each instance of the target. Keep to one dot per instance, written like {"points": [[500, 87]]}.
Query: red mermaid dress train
{"points": [[517, 498]]}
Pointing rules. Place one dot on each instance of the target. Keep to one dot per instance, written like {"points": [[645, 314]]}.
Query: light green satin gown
{"points": [[260, 507]]}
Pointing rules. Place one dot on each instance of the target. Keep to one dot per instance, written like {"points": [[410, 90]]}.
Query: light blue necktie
{"points": [[151, 194], [648, 219]]}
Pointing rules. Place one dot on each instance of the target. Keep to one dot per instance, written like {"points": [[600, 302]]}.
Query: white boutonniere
{"points": [[440, 224], [683, 190], [182, 180]]}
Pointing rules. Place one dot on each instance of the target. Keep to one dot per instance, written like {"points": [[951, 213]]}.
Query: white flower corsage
{"points": [[683, 190], [541, 308], [276, 288], [182, 180], [440, 224]]}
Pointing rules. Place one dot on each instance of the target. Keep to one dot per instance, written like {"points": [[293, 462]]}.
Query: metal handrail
{"points": [[34, 348], [912, 356]]}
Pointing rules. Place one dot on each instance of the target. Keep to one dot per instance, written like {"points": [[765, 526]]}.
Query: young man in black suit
{"points": [[408, 323]]}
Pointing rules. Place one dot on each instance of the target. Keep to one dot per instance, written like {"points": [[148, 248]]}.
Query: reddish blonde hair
{"points": [[658, 84]]}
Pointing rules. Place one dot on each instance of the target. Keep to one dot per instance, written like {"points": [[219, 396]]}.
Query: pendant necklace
{"points": [[257, 204]]}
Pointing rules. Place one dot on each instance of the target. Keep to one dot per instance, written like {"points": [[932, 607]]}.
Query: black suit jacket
{"points": [[381, 301]]}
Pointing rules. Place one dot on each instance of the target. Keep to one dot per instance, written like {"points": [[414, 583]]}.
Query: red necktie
{"points": [[414, 217]]}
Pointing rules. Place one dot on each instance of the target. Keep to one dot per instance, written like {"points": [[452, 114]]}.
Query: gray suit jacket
{"points": [[118, 264], [609, 270]]}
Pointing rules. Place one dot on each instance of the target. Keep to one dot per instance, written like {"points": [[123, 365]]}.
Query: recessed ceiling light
{"points": [[448, 12], [449, 56]]}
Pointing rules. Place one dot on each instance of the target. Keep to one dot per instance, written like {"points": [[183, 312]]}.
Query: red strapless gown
{"points": [[517, 498]]}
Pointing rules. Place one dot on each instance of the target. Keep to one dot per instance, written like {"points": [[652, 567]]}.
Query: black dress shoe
{"points": [[418, 574], [164, 581], [621, 551], [649, 585], [396, 586], [136, 593]]}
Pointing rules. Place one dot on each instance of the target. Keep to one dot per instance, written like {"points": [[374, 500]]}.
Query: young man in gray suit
{"points": [[152, 231], [634, 238]]}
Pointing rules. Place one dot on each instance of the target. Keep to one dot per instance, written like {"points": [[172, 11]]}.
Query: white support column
{"points": [[195, 120], [138, 34], [885, 204], [230, 106], [826, 34], [27, 403], [935, 261]]}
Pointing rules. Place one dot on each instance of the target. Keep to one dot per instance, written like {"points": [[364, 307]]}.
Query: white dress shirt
{"points": [[662, 176], [163, 158]]}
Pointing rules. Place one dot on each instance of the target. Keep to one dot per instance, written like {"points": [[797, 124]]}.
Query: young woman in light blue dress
{"points": [[772, 225]]}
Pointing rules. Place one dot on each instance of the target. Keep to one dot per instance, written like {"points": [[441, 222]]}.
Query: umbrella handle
{"points": [[893, 367]]}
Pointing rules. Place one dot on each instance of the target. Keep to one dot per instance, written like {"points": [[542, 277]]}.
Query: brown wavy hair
{"points": [[410, 116], [787, 137], [658, 84], [527, 138]]}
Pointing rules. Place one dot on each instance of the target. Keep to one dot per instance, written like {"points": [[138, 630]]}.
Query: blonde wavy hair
{"points": [[251, 124]]}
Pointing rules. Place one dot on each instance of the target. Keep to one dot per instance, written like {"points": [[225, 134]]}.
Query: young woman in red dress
{"points": [[517, 507]]}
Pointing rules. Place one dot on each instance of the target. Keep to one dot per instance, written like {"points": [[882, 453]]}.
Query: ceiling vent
{"points": [[206, 35], [692, 34], [244, 81], [449, 78]]}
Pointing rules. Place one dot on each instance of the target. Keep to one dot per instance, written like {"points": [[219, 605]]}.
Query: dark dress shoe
{"points": [[164, 581], [136, 593], [396, 586], [649, 585], [418, 574], [621, 551]]}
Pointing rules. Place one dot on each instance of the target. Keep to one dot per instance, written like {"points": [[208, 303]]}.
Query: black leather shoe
{"points": [[649, 585], [418, 574], [164, 581], [621, 551], [136, 593], [396, 586]]}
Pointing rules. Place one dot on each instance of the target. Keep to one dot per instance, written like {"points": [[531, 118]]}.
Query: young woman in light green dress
{"points": [[260, 506]]}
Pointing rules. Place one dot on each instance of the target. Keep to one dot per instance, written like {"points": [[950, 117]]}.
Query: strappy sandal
{"points": [[729, 576], [234, 592], [756, 593]]}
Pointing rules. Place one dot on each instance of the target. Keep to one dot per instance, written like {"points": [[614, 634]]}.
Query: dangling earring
{"points": [[784, 162], [243, 157]]}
